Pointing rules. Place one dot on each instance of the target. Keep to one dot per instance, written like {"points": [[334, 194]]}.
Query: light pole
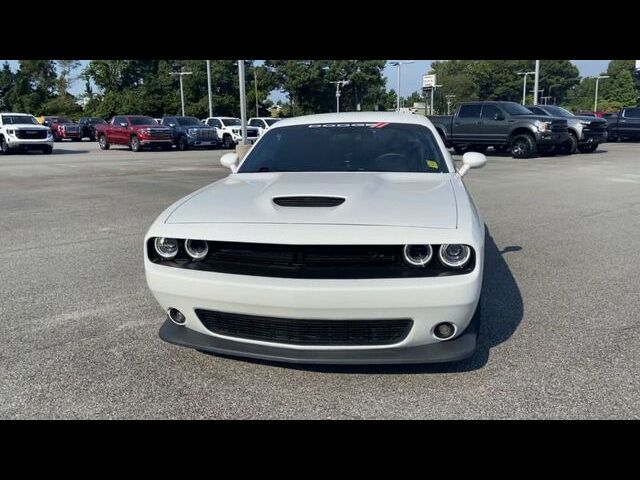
{"points": [[181, 89], [209, 87], [449, 97], [255, 82], [524, 88], [339, 83], [243, 101], [595, 103], [432, 94], [536, 82], [399, 65]]}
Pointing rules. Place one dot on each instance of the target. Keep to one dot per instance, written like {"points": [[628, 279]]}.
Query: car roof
{"points": [[368, 117]]}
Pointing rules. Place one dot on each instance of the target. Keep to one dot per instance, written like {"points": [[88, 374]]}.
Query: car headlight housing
{"points": [[192, 132], [196, 249], [167, 248], [454, 255], [544, 126], [11, 132], [417, 255]]}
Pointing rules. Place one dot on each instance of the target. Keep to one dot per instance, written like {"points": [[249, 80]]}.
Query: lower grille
{"points": [[31, 134], [306, 332]]}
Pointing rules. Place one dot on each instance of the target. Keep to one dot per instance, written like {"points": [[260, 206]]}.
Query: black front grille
{"points": [[559, 126], [309, 261], [306, 332], [596, 127], [31, 134], [308, 201]]}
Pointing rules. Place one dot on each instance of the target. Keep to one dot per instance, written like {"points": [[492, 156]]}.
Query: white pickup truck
{"points": [[262, 123], [21, 131], [229, 130]]}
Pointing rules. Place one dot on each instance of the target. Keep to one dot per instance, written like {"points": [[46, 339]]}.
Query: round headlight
{"points": [[454, 255], [417, 255], [196, 249], [167, 248]]}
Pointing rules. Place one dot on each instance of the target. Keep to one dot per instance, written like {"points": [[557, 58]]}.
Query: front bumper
{"points": [[593, 137], [196, 142], [551, 138], [151, 142], [27, 144], [427, 301]]}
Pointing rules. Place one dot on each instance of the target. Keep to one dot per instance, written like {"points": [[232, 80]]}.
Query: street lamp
{"points": [[449, 97], [255, 82], [399, 65], [524, 88], [595, 103], [243, 101], [181, 89], [339, 83]]}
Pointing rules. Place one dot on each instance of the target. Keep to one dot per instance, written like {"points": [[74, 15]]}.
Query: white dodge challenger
{"points": [[339, 238]]}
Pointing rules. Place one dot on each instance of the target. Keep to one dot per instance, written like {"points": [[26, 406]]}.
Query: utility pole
{"points": [[255, 82], [595, 103], [209, 87], [339, 83], [449, 97], [524, 87], [181, 89], [399, 65], [536, 82], [432, 94], [243, 101]]}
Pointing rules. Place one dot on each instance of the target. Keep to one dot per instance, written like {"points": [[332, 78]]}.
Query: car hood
{"points": [[542, 118], [26, 126], [371, 198]]}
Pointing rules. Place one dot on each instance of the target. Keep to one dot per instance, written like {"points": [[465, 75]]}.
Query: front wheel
{"points": [[523, 146], [569, 147], [227, 143], [183, 145], [102, 142], [589, 148], [4, 147], [134, 144]]}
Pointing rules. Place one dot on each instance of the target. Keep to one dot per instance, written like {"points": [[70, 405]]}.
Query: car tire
{"points": [[569, 147], [47, 150], [459, 149], [4, 147], [134, 144], [523, 146], [102, 143], [227, 142], [589, 148], [183, 145]]}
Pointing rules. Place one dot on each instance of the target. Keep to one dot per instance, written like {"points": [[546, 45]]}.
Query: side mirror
{"points": [[498, 116], [230, 160], [471, 160]]}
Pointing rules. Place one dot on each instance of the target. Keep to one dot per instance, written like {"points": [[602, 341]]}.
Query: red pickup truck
{"points": [[61, 128], [135, 131]]}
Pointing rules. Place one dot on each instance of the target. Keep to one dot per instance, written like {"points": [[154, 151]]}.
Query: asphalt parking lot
{"points": [[78, 337]]}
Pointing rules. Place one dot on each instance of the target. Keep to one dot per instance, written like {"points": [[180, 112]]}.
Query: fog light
{"points": [[444, 330], [176, 316]]}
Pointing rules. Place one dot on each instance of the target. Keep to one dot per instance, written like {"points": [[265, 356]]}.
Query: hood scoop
{"points": [[307, 201]]}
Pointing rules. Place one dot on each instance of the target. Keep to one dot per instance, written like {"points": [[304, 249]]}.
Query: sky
{"points": [[411, 75]]}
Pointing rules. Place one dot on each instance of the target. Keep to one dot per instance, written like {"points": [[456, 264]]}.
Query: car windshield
{"points": [[96, 120], [59, 120], [271, 121], [142, 121], [230, 122], [558, 111], [19, 120], [516, 109], [347, 147], [187, 121]]}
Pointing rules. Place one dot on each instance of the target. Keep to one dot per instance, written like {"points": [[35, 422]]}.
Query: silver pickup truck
{"points": [[585, 133]]}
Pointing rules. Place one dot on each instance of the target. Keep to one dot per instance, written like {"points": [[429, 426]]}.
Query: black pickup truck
{"points": [[506, 126], [189, 132], [626, 124]]}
